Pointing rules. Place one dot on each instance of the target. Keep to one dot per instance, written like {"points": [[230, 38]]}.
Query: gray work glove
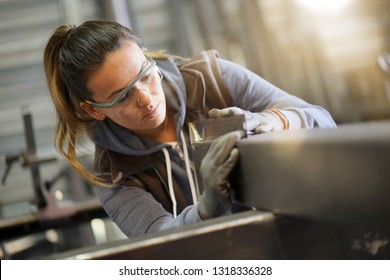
{"points": [[215, 169], [258, 122]]}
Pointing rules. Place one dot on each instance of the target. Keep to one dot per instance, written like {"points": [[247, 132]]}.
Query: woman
{"points": [[135, 106]]}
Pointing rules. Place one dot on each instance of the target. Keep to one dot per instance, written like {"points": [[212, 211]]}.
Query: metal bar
{"points": [[34, 167], [247, 235]]}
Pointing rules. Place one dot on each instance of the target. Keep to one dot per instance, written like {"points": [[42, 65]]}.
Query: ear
{"points": [[92, 111]]}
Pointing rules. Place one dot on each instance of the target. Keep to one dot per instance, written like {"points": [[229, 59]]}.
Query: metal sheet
{"points": [[339, 175], [247, 235], [328, 186]]}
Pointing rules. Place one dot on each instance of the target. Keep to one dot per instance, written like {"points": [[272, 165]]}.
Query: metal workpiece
{"points": [[330, 188], [203, 131], [246, 235], [337, 175]]}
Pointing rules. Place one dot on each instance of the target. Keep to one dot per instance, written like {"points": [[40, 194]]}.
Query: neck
{"points": [[166, 132]]}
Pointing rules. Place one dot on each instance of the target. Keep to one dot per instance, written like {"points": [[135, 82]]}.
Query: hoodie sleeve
{"points": [[136, 212], [252, 93]]}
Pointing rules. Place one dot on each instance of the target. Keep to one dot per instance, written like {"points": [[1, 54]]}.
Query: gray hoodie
{"points": [[135, 210]]}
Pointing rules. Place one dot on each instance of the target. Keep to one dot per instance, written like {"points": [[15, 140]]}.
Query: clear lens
{"points": [[130, 99]]}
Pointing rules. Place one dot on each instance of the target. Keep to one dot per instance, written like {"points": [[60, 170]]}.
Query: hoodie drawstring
{"points": [[170, 185], [194, 189]]}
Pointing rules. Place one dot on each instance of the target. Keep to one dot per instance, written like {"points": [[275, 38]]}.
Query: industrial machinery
{"points": [[44, 213]]}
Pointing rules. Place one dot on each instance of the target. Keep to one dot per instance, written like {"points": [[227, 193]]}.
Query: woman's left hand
{"points": [[258, 122]]}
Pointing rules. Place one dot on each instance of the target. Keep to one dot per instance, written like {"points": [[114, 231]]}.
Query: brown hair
{"points": [[71, 54]]}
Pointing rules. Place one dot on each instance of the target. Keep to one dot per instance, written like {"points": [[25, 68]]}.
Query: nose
{"points": [[144, 98]]}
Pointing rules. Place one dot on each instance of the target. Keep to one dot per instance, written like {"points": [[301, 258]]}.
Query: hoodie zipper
{"points": [[179, 151]]}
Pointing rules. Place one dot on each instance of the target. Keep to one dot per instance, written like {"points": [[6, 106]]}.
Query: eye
{"points": [[125, 97], [149, 75], [146, 77]]}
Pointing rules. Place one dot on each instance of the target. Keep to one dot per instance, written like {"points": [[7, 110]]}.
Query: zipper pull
{"points": [[179, 151]]}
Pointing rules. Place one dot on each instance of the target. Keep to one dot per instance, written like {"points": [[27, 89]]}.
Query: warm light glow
{"points": [[324, 6], [59, 195], [99, 230]]}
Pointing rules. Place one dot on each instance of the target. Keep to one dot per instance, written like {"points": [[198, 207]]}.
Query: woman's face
{"points": [[143, 109]]}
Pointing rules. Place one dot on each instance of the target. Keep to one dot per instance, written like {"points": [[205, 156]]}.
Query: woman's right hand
{"points": [[215, 169]]}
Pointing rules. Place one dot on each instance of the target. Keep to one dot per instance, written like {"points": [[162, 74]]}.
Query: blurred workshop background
{"points": [[334, 53]]}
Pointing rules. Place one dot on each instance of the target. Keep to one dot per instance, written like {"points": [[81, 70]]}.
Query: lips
{"points": [[153, 113]]}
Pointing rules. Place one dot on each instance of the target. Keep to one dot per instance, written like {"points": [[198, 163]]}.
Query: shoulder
{"points": [[233, 71]]}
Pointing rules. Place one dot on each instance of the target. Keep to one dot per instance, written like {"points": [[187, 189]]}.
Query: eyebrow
{"points": [[145, 63]]}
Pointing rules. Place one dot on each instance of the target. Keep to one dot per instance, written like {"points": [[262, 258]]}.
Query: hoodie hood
{"points": [[109, 135]]}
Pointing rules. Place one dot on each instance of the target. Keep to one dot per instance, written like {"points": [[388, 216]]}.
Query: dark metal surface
{"points": [[329, 186], [247, 235], [339, 175]]}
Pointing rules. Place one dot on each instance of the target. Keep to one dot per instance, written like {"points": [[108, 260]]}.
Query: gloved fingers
{"points": [[221, 147], [235, 111], [227, 166], [264, 128], [212, 205], [218, 113], [251, 124], [224, 190], [225, 112]]}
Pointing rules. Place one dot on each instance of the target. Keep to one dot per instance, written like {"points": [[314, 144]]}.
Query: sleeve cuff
{"points": [[296, 118]]}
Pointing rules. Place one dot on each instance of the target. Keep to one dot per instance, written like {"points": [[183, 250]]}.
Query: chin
{"points": [[160, 120]]}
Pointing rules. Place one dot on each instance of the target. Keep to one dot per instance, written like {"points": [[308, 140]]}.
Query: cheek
{"points": [[127, 121], [131, 117], [163, 111], [162, 97], [128, 116]]}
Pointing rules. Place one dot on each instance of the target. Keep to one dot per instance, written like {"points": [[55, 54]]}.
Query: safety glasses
{"points": [[122, 94]]}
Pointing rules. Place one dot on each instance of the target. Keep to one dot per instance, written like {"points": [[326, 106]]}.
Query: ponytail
{"points": [[72, 122]]}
